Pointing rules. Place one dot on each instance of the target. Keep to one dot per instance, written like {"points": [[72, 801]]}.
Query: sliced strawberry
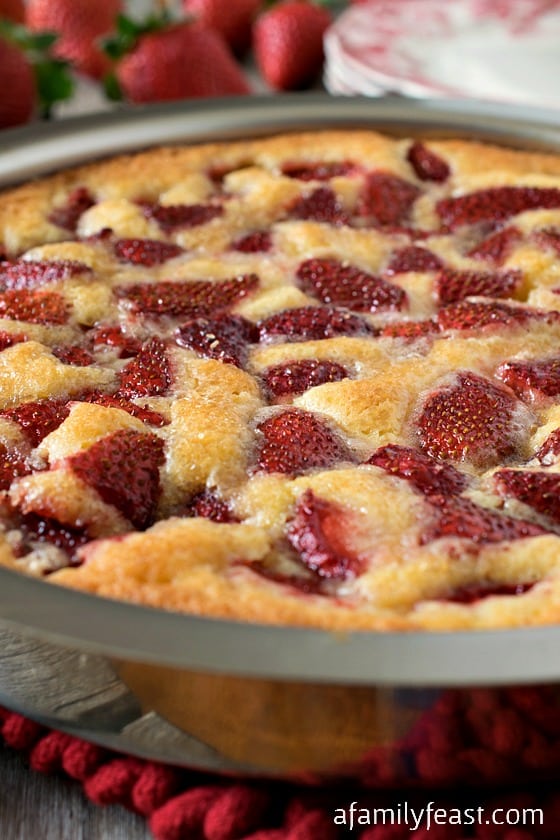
{"points": [[310, 323], [291, 378], [471, 420], [427, 165], [475, 592], [210, 506], [386, 199], [146, 252], [495, 204], [539, 490], [41, 529], [28, 274], [192, 298], [294, 441], [427, 475], [181, 216], [103, 235], [459, 517], [146, 415], [12, 466], [453, 285], [9, 339], [477, 314], [124, 469], [253, 243], [346, 285], [497, 247], [410, 329], [36, 307], [112, 336], [68, 215], [38, 419], [322, 205], [413, 258], [73, 355], [223, 337], [149, 374], [548, 238], [317, 533], [550, 449], [530, 380], [319, 171]]}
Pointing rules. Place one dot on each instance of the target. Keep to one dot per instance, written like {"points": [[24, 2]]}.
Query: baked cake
{"points": [[312, 379]]}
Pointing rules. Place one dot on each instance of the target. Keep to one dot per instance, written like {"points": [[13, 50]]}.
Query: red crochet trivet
{"points": [[179, 805]]}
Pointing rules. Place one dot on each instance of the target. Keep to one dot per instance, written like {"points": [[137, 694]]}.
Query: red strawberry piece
{"points": [[427, 165], [495, 204], [305, 585], [68, 215], [156, 70], [233, 21], [18, 98], [223, 337], [124, 469], [317, 171], [318, 534], [497, 247], [11, 466], [73, 355], [453, 285], [548, 238], [253, 243], [41, 529], [147, 375], [38, 419], [427, 475], [386, 199], [13, 10], [28, 274], [550, 449], [459, 517], [113, 336], [538, 490], [309, 323], [103, 235], [79, 27], [322, 205], [210, 506], [9, 339], [530, 380], [288, 43], [410, 329], [35, 306], [346, 285], [471, 420], [475, 592], [291, 378], [294, 441], [172, 217], [146, 415], [413, 258], [193, 298], [475, 315], [146, 252]]}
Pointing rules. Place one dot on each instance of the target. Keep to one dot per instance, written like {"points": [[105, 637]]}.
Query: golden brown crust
{"points": [[212, 411]]}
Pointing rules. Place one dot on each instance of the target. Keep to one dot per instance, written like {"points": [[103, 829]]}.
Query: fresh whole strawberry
{"points": [[288, 43], [79, 27], [179, 61], [17, 97], [233, 19]]}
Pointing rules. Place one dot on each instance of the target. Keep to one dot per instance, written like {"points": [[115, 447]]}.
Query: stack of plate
{"points": [[498, 50]]}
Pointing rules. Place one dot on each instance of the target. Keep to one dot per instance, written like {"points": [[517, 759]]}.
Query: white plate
{"points": [[498, 50]]}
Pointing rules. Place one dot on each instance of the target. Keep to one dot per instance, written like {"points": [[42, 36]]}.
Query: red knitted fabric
{"points": [[183, 806]]}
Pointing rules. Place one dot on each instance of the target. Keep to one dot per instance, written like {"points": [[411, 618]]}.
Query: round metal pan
{"points": [[163, 684]]}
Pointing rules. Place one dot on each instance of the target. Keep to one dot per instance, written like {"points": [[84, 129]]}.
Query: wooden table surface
{"points": [[34, 806]]}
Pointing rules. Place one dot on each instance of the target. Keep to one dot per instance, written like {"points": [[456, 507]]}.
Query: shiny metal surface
{"points": [[262, 700]]}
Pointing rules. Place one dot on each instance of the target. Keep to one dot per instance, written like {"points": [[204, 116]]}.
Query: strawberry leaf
{"points": [[128, 31], [54, 83], [112, 88]]}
